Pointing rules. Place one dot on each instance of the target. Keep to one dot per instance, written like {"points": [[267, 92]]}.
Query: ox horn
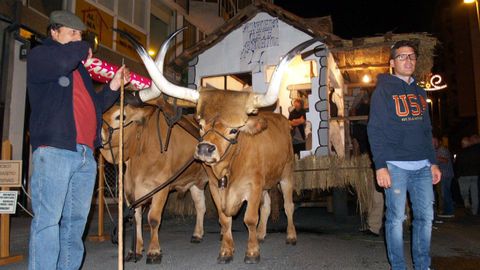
{"points": [[155, 70], [271, 96]]}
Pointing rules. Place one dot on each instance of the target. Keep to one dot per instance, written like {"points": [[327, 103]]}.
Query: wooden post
{"points": [[120, 176], [5, 257], [100, 237]]}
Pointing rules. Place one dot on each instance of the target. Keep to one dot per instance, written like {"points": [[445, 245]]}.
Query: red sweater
{"points": [[84, 112]]}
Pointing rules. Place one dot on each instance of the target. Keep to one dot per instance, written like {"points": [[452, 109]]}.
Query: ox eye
{"points": [[117, 118], [233, 131]]}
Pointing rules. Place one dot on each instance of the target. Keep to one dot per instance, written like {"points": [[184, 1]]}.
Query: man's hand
{"points": [[436, 174], [383, 178], [116, 82]]}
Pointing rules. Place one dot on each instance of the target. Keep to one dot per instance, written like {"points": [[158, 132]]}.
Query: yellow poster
{"points": [[123, 45], [97, 21]]}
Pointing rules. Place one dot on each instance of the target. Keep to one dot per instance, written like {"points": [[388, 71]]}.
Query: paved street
{"points": [[323, 243]]}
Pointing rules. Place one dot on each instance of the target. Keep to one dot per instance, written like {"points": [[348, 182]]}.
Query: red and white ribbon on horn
{"points": [[103, 72]]}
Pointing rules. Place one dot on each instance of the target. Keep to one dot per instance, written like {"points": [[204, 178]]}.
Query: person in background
{"points": [[400, 136], [467, 166], [444, 159], [296, 119], [65, 124]]}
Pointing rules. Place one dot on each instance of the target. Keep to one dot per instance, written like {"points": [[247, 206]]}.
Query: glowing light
{"points": [[429, 100], [366, 78], [151, 52], [469, 1], [433, 84]]}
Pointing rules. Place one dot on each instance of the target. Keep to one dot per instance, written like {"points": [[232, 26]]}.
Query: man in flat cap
{"points": [[65, 124]]}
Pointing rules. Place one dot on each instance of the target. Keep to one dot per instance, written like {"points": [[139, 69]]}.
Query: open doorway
{"points": [[235, 82]]}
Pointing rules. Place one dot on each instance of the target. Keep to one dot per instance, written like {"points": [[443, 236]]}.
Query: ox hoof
{"points": [[252, 259], [131, 257], [196, 239], [224, 259], [154, 259], [292, 242]]}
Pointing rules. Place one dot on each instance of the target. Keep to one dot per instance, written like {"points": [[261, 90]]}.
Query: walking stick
{"points": [[120, 175]]}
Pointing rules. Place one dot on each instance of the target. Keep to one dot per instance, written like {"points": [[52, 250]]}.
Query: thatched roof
{"points": [[316, 27], [370, 55]]}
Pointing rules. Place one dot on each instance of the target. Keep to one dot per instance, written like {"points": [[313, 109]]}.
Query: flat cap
{"points": [[68, 19]]}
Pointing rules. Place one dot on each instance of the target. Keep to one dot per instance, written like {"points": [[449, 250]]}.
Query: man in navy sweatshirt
{"points": [[400, 136], [65, 123]]}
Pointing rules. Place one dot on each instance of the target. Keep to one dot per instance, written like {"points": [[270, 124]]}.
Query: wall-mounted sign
{"points": [[97, 21], [10, 173], [123, 46], [8, 202], [257, 37]]}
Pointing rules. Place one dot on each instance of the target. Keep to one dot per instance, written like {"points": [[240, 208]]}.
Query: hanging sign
{"points": [[10, 173], [8, 202]]}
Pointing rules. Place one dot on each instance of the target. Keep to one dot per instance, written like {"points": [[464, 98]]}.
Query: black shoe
{"points": [[370, 233]]}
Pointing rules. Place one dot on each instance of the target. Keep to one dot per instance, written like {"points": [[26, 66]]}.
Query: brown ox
{"points": [[249, 152], [147, 168]]}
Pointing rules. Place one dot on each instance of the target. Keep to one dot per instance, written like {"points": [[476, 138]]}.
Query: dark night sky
{"points": [[367, 17]]}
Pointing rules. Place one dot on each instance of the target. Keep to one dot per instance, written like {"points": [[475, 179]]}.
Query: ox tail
{"points": [[276, 199]]}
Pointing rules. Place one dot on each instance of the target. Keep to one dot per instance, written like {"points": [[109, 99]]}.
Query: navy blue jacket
{"points": [[50, 69], [399, 127]]}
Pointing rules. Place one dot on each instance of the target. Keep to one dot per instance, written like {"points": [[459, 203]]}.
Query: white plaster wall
{"points": [[225, 58], [336, 127]]}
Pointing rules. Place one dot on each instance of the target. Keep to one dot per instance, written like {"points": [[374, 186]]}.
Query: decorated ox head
{"points": [[221, 114]]}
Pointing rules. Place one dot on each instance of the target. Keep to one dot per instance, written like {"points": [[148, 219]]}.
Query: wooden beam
{"points": [[364, 66], [350, 118], [360, 85]]}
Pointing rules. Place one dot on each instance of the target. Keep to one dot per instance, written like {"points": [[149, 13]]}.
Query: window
{"points": [[159, 32], [189, 35], [46, 6], [133, 12], [107, 3]]}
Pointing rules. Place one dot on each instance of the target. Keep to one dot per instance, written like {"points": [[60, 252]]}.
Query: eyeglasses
{"points": [[403, 57]]}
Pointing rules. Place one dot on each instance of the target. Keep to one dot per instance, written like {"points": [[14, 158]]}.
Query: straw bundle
{"points": [[330, 171]]}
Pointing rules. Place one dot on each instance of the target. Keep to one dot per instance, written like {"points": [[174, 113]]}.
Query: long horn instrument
{"points": [[156, 73], [271, 96]]}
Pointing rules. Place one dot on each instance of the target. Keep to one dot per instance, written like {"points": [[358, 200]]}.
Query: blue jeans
{"points": [[448, 208], [418, 184], [61, 185]]}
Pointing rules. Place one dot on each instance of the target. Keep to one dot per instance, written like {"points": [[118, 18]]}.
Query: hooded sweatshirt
{"points": [[399, 127]]}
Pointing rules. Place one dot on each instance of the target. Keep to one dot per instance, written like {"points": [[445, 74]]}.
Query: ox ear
{"points": [[254, 125]]}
